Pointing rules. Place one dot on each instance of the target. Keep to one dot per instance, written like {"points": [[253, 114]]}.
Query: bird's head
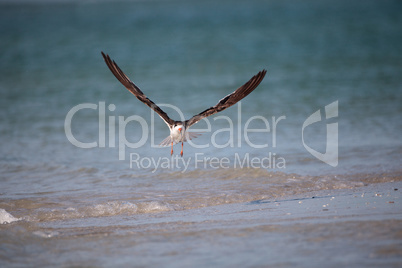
{"points": [[179, 127]]}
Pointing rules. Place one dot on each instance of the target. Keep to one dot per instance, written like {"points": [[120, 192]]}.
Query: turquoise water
{"points": [[188, 55]]}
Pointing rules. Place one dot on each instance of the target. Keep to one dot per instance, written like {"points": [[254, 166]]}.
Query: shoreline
{"points": [[354, 227]]}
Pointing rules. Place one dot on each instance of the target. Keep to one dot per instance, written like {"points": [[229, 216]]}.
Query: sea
{"points": [[84, 182]]}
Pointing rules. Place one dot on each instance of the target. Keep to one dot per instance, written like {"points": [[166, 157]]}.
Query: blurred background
{"points": [[190, 54]]}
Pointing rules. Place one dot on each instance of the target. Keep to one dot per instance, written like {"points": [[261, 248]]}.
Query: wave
{"points": [[6, 217], [107, 209]]}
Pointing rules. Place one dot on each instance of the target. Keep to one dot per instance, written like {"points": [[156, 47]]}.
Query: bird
{"points": [[178, 129]]}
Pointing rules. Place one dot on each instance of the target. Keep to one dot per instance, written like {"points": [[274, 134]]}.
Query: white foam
{"points": [[111, 208], [153, 206], [6, 217], [46, 234]]}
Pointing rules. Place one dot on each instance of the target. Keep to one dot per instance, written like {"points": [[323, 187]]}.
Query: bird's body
{"points": [[178, 129], [177, 134]]}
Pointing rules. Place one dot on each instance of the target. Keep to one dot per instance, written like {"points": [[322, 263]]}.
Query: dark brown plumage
{"points": [[134, 89], [230, 99]]}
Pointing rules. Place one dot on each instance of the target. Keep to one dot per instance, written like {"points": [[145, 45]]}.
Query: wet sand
{"points": [[359, 227]]}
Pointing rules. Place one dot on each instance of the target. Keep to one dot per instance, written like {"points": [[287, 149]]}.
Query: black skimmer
{"points": [[178, 129]]}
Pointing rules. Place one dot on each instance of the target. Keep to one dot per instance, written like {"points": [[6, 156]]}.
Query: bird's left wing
{"points": [[230, 99]]}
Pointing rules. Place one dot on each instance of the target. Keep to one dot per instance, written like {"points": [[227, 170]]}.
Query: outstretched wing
{"points": [[230, 99], [134, 89]]}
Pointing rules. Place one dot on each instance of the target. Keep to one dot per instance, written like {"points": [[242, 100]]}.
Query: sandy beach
{"points": [[360, 227], [354, 227]]}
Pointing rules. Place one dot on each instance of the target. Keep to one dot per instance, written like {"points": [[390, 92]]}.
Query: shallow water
{"points": [[109, 200]]}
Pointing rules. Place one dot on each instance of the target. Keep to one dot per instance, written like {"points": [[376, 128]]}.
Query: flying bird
{"points": [[178, 129]]}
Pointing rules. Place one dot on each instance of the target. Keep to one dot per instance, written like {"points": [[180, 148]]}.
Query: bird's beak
{"points": [[180, 129]]}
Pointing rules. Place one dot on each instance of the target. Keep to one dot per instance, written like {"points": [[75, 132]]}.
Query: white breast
{"points": [[177, 133]]}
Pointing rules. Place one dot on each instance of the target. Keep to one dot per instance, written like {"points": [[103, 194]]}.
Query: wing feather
{"points": [[123, 78], [230, 99]]}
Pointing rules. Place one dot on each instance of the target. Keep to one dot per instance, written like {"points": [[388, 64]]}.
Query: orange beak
{"points": [[180, 129]]}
